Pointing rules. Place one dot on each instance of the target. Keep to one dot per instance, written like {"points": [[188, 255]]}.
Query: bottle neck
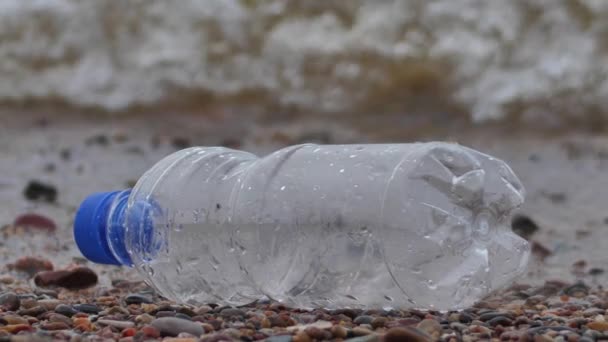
{"points": [[115, 228]]}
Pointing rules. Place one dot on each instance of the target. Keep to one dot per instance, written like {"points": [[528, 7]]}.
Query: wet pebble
{"points": [[10, 301], [73, 279], [500, 320], [172, 326], [35, 311]]}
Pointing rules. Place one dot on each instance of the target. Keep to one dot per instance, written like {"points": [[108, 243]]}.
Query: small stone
{"points": [[49, 304], [431, 327], [339, 331], [524, 226], [366, 338], [60, 318], [406, 334], [578, 290], [500, 320], [279, 338], [232, 312], [9, 301], [31, 265], [87, 308], [302, 337], [76, 278], [203, 309], [379, 322], [150, 331], [65, 310], [36, 190], [171, 326], [82, 323], [144, 318], [55, 326], [363, 319], [137, 299], [360, 331], [15, 328], [35, 311], [14, 319], [598, 325], [35, 222], [6, 279], [117, 324]]}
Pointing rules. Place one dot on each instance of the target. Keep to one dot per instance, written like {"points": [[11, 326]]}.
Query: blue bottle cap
{"points": [[90, 228]]}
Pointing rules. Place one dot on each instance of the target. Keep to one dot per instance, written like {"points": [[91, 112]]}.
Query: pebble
{"points": [[14, 319], [10, 301], [73, 279], [117, 324], [172, 326], [360, 331], [87, 308], [35, 311], [49, 304], [150, 331], [379, 322], [55, 326], [37, 190], [406, 334], [144, 318], [232, 312], [65, 310], [31, 265], [137, 299], [598, 325], [339, 331], [366, 338], [502, 320], [363, 319], [279, 338], [431, 327], [60, 318], [35, 221]]}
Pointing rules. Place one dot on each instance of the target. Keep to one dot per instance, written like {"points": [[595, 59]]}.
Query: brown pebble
{"points": [[15, 328], [60, 318], [35, 221], [73, 279], [55, 326], [6, 279], [379, 322], [431, 327], [150, 331], [302, 337], [49, 304], [406, 334], [360, 331], [31, 265], [14, 319], [339, 331], [35, 311], [598, 325]]}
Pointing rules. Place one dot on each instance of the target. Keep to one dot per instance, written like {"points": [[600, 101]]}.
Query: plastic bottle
{"points": [[422, 225]]}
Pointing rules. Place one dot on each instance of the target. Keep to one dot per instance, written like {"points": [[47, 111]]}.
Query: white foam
{"points": [[543, 55]]}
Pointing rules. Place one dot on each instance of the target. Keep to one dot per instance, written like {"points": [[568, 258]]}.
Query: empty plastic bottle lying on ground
{"points": [[423, 225]]}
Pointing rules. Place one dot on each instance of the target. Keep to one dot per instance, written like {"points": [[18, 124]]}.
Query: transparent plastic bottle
{"points": [[422, 225]]}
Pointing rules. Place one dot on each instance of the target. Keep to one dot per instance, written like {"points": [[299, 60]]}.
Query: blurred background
{"points": [[93, 93]]}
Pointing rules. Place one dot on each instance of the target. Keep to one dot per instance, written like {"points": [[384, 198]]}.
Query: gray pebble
{"points": [[137, 299], [279, 338], [117, 324], [87, 308], [232, 312], [65, 310], [172, 326], [10, 301], [363, 319]]}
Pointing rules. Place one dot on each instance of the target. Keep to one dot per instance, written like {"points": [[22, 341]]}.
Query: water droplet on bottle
{"points": [[352, 156], [283, 188], [341, 170]]}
